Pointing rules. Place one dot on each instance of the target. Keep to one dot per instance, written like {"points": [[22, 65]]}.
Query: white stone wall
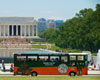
{"points": [[4, 52], [26, 29]]}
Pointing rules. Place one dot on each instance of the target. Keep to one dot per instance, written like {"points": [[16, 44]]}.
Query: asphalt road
{"points": [[53, 75]]}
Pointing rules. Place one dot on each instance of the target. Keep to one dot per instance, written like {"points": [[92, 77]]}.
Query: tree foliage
{"points": [[50, 35], [80, 32]]}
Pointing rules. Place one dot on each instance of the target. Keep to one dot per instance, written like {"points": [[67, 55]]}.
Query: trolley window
{"points": [[72, 57], [21, 58], [43, 58], [81, 58], [64, 58], [32, 58], [54, 58]]}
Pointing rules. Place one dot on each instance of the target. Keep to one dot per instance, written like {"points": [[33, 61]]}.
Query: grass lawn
{"points": [[48, 78], [39, 46], [53, 47]]}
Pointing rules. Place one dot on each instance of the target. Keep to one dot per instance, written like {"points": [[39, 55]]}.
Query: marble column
{"points": [[16, 30], [24, 30], [8, 30], [12, 30], [36, 30], [32, 30], [21, 30], [29, 30], [4, 30]]}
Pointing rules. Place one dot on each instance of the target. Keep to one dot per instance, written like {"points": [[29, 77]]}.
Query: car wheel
{"points": [[34, 74], [72, 74]]}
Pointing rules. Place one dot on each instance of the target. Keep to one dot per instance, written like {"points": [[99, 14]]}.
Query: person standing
{"points": [[11, 68], [3, 65], [98, 66]]}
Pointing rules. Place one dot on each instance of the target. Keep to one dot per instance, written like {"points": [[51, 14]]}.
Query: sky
{"points": [[49, 9]]}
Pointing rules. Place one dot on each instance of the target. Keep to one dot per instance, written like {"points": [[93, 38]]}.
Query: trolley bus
{"points": [[49, 63]]}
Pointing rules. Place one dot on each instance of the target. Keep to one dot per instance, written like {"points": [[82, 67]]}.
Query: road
{"points": [[53, 75]]}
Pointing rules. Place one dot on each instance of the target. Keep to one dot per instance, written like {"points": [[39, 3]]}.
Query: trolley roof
{"points": [[39, 52]]}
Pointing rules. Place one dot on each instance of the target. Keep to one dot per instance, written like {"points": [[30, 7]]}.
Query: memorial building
{"points": [[24, 27]]}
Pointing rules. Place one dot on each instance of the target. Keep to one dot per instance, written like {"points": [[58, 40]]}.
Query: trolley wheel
{"points": [[72, 73], [34, 74]]}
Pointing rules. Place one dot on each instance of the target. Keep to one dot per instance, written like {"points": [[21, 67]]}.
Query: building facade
{"points": [[51, 23], [42, 24], [59, 22], [18, 27]]}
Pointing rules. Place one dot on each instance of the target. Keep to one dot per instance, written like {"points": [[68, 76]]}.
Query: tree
{"points": [[80, 32], [98, 7], [49, 34]]}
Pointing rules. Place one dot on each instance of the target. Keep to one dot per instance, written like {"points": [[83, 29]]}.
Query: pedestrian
{"points": [[11, 68], [3, 65], [94, 66], [98, 66]]}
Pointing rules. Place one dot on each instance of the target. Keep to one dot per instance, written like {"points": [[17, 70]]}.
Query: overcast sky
{"points": [[55, 9]]}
